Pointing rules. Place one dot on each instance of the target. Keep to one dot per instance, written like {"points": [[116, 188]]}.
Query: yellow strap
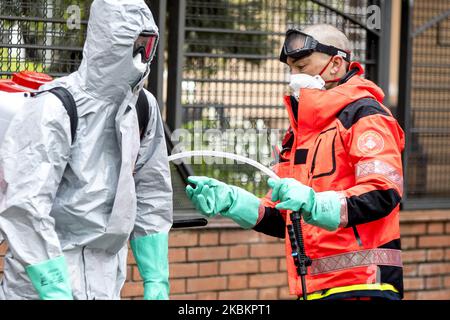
{"points": [[356, 287]]}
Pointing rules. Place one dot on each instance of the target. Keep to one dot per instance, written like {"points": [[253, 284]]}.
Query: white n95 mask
{"points": [[139, 65], [141, 71], [305, 81]]}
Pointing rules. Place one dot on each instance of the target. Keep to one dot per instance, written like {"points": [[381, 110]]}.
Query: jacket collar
{"points": [[318, 108]]}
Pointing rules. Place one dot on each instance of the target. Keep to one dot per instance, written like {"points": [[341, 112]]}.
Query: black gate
{"points": [[224, 72], [224, 54], [221, 58], [424, 105], [42, 35]]}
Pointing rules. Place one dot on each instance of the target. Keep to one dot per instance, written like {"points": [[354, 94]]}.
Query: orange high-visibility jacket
{"points": [[344, 140]]}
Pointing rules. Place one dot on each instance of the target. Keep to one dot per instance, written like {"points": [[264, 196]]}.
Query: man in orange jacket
{"points": [[340, 166]]}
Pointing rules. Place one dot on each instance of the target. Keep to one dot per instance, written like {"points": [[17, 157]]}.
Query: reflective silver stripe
{"points": [[385, 257], [344, 210], [364, 169]]}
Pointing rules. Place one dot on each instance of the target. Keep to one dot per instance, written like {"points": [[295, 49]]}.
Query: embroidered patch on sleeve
{"points": [[370, 143]]}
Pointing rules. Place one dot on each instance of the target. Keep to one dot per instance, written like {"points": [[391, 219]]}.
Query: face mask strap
{"points": [[326, 66], [323, 70]]}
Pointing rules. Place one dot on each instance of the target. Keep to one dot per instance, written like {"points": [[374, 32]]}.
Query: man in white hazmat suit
{"points": [[67, 210]]}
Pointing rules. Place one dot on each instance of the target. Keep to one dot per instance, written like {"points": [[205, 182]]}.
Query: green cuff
{"points": [[156, 291], [152, 257], [51, 279], [245, 208], [327, 213]]}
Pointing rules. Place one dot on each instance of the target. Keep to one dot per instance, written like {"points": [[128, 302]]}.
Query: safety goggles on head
{"points": [[299, 45], [146, 45]]}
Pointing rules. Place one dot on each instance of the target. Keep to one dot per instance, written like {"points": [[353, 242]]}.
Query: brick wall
{"points": [[223, 262], [228, 263], [426, 254]]}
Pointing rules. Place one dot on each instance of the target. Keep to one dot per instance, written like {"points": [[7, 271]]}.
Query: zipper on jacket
{"points": [[358, 238], [84, 273], [313, 164]]}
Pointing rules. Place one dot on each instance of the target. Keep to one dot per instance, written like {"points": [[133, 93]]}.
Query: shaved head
{"points": [[329, 35], [315, 63]]}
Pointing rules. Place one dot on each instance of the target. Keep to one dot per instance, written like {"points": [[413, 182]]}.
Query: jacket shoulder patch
{"points": [[360, 109], [370, 143]]}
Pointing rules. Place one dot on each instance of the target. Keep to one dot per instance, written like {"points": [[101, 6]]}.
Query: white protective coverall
{"points": [[86, 200]]}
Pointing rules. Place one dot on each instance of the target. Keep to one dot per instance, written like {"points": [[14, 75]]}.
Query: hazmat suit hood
{"points": [[107, 68]]}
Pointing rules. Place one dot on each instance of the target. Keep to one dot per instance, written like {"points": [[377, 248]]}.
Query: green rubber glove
{"points": [[51, 279], [152, 258], [212, 197], [319, 209]]}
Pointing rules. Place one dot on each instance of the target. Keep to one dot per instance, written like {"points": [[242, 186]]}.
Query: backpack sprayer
{"points": [[14, 92]]}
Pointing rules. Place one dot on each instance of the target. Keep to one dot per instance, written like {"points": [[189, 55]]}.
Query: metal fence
{"points": [[221, 70], [425, 103], [232, 79], [36, 35]]}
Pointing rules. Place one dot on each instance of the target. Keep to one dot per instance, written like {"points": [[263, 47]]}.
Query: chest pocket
{"points": [[324, 156]]}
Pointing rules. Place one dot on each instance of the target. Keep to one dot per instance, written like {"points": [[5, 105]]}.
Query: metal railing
{"points": [[424, 106], [35, 35], [225, 55], [222, 62]]}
